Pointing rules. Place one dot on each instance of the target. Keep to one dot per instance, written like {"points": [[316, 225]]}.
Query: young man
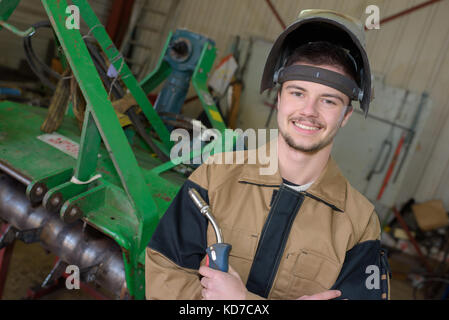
{"points": [[303, 232]]}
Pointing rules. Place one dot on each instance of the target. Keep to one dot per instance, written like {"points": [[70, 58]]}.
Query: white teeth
{"points": [[299, 125]]}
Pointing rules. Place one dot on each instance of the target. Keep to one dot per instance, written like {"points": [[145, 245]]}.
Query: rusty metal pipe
{"points": [[75, 243], [407, 11], [276, 14]]}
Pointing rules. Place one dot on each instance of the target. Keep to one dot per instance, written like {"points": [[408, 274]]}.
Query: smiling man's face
{"points": [[310, 114]]}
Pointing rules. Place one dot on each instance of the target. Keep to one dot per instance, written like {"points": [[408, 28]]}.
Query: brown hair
{"points": [[324, 53]]}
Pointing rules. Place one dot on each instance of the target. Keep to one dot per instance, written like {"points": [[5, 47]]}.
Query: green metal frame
{"points": [[101, 124], [199, 81], [6, 9], [160, 73], [127, 201]]}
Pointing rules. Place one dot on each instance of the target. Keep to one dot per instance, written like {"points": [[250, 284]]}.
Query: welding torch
{"points": [[217, 254]]}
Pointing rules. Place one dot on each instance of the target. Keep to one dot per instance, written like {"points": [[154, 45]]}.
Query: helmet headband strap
{"points": [[319, 75]]}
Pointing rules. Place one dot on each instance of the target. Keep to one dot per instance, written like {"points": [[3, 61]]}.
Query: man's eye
{"points": [[298, 94], [326, 101]]}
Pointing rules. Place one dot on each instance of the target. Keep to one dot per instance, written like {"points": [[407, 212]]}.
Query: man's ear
{"points": [[347, 115]]}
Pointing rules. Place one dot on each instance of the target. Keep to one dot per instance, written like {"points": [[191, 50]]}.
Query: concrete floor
{"points": [[30, 264], [402, 266]]}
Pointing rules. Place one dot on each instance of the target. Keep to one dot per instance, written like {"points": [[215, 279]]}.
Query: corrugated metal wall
{"points": [[29, 12], [411, 52]]}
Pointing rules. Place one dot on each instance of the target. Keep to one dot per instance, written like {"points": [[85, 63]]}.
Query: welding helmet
{"points": [[322, 25]]}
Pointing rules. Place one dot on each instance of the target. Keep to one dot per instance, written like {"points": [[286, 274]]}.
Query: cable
{"points": [[41, 70], [133, 116], [118, 92], [37, 65]]}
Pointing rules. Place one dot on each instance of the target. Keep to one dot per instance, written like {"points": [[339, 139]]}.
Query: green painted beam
{"points": [[99, 32], [108, 126], [199, 80]]}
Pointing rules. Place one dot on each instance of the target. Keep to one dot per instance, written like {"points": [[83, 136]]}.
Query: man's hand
{"points": [[219, 285], [325, 295]]}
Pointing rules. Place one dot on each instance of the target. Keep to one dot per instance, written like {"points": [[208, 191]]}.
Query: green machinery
{"points": [[110, 184]]}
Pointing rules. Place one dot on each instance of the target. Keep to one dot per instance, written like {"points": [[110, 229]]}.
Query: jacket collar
{"points": [[330, 187]]}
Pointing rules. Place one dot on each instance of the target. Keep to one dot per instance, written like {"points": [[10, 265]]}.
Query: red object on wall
{"points": [[276, 14], [391, 167], [118, 20]]}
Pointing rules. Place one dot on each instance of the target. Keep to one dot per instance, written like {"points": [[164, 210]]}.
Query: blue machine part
{"points": [[182, 55], [10, 91]]}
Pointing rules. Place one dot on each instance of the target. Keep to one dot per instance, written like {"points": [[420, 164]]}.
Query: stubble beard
{"points": [[314, 147]]}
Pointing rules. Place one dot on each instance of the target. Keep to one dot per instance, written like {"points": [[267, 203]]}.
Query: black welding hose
{"points": [[101, 67], [27, 40], [140, 128], [37, 65]]}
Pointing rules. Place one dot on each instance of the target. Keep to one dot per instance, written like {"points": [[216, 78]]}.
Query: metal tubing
{"points": [[205, 210], [75, 243], [276, 14], [16, 31], [14, 173], [411, 134], [392, 123]]}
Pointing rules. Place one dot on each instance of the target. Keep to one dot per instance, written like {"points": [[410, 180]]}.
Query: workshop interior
{"points": [[92, 90]]}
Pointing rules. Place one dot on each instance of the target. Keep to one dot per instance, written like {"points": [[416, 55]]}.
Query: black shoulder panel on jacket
{"points": [[181, 233], [364, 273]]}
